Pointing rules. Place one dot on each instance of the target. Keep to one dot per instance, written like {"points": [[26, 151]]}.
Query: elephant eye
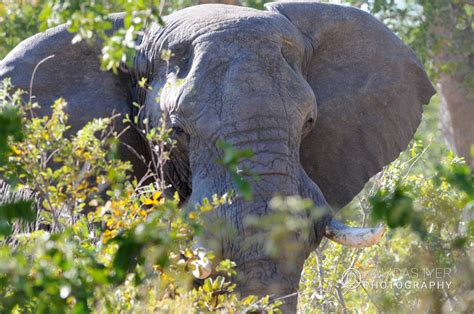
{"points": [[308, 125], [184, 65], [177, 130], [180, 135]]}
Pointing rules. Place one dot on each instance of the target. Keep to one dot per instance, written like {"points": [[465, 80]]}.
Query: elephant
{"points": [[324, 95]]}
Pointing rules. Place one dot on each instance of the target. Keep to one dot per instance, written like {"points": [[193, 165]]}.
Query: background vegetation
{"points": [[56, 259]]}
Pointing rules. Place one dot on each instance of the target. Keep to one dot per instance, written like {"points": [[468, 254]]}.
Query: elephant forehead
{"points": [[206, 20], [221, 26], [214, 12]]}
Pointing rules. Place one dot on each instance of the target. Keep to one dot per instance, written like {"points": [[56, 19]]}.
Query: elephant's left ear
{"points": [[370, 89], [72, 72]]}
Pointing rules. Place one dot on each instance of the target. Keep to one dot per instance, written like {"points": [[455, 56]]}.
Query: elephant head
{"points": [[324, 95]]}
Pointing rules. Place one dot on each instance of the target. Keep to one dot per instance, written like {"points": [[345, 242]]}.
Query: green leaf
{"points": [[18, 210]]}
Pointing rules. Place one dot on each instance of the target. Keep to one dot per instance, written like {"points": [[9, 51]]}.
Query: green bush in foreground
{"points": [[423, 263], [133, 251]]}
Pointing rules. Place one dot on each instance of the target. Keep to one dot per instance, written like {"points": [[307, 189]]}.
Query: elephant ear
{"points": [[73, 73], [370, 89]]}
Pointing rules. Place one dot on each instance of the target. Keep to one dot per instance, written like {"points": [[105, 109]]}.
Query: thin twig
{"points": [[413, 163], [341, 298], [33, 76], [370, 297]]}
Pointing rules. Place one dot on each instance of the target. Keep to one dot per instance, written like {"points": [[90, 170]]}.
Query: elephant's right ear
{"points": [[370, 89], [73, 73]]}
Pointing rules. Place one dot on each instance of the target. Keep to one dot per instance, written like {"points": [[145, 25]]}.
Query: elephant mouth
{"points": [[325, 225], [283, 181]]}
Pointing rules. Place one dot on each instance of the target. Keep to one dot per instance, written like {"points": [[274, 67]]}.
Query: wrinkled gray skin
{"points": [[321, 94]]}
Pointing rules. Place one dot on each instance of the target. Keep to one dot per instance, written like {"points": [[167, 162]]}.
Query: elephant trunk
{"points": [[261, 269], [229, 234]]}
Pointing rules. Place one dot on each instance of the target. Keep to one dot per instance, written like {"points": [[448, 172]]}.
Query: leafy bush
{"points": [[134, 251], [132, 242], [429, 243], [18, 20]]}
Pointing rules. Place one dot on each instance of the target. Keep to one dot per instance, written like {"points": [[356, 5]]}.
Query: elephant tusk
{"points": [[353, 237]]}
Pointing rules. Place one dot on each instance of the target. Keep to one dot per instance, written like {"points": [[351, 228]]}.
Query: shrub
{"points": [[134, 249]]}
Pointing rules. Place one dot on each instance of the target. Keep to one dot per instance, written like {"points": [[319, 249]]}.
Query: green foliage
{"points": [[132, 240], [395, 209], [101, 242], [287, 216], [18, 20], [10, 128], [13, 211], [440, 31], [256, 4], [54, 165], [458, 175], [89, 20], [214, 295], [10, 121], [430, 213], [231, 160]]}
